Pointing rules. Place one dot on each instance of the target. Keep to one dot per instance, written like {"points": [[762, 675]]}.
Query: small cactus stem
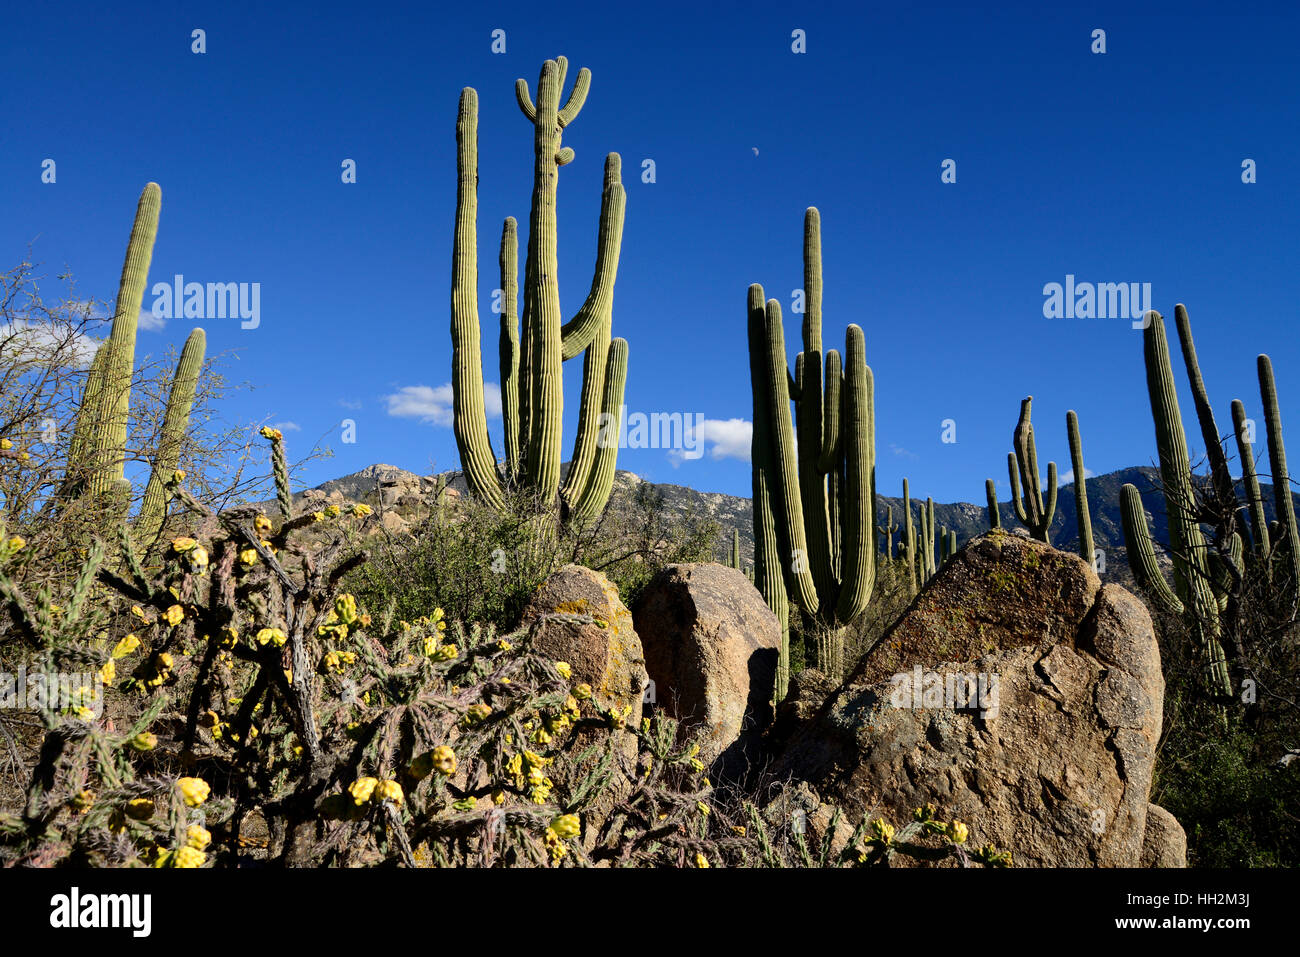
{"points": [[909, 539], [1220, 478], [1283, 505], [180, 400], [735, 548], [1086, 549], [1250, 480], [991, 493]]}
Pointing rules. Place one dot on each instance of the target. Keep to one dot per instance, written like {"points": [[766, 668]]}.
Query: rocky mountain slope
{"points": [[398, 489]]}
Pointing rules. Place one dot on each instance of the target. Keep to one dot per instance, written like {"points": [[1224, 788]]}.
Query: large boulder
{"points": [[580, 619], [1016, 694], [1165, 842], [711, 648]]}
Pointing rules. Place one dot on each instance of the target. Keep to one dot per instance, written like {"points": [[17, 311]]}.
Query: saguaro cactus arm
{"points": [[578, 332], [1249, 479], [1142, 552], [1221, 479], [510, 345], [1086, 549], [1283, 506], [991, 493], [1024, 460], [469, 418], [858, 561], [180, 400]]}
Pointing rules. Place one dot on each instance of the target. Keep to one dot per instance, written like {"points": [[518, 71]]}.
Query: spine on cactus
{"points": [[830, 572], [1086, 550], [1032, 513], [991, 493], [532, 357], [180, 400], [1193, 593], [104, 448]]}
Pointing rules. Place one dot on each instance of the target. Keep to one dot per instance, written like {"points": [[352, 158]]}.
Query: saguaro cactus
{"points": [[909, 540], [887, 530], [733, 558], [99, 437], [1193, 593], [180, 400], [823, 505], [1032, 513], [991, 493], [1086, 549], [531, 362]]}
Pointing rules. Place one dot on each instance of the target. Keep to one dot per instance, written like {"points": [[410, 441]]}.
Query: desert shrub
{"points": [[1222, 767], [483, 564], [256, 712]]}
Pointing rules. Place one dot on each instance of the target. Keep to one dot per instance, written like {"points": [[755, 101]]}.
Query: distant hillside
{"points": [[736, 512]]}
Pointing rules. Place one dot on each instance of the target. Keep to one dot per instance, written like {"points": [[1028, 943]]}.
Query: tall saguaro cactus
{"points": [[823, 503], [176, 419], [1193, 592], [1086, 550], [909, 540], [531, 360], [99, 438], [1031, 511], [991, 493]]}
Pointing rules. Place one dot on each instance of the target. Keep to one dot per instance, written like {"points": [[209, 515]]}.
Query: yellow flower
{"points": [[248, 557], [198, 837], [272, 636], [360, 511], [83, 800], [738, 830], [444, 760], [139, 809], [701, 861], [362, 789], [566, 826], [5, 445], [127, 645], [174, 615], [178, 476], [958, 832], [15, 544], [883, 831], [582, 692], [477, 712], [182, 545], [563, 668], [194, 790], [262, 525], [144, 741], [332, 511], [108, 672], [189, 857], [389, 791], [269, 433], [84, 713]]}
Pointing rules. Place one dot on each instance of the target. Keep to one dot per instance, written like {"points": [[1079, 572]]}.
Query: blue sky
{"points": [[1116, 167]]}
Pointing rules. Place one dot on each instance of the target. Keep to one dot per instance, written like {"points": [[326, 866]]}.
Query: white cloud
{"points": [[22, 340], [1068, 477], [287, 426], [433, 405], [347, 404], [905, 453], [721, 438], [149, 322]]}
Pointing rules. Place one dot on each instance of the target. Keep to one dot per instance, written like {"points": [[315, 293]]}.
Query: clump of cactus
{"points": [[814, 515], [97, 454], [1022, 466], [1208, 573], [532, 394], [909, 541]]}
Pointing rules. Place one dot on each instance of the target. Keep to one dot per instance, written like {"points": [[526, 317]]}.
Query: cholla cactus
{"points": [[531, 373]]}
